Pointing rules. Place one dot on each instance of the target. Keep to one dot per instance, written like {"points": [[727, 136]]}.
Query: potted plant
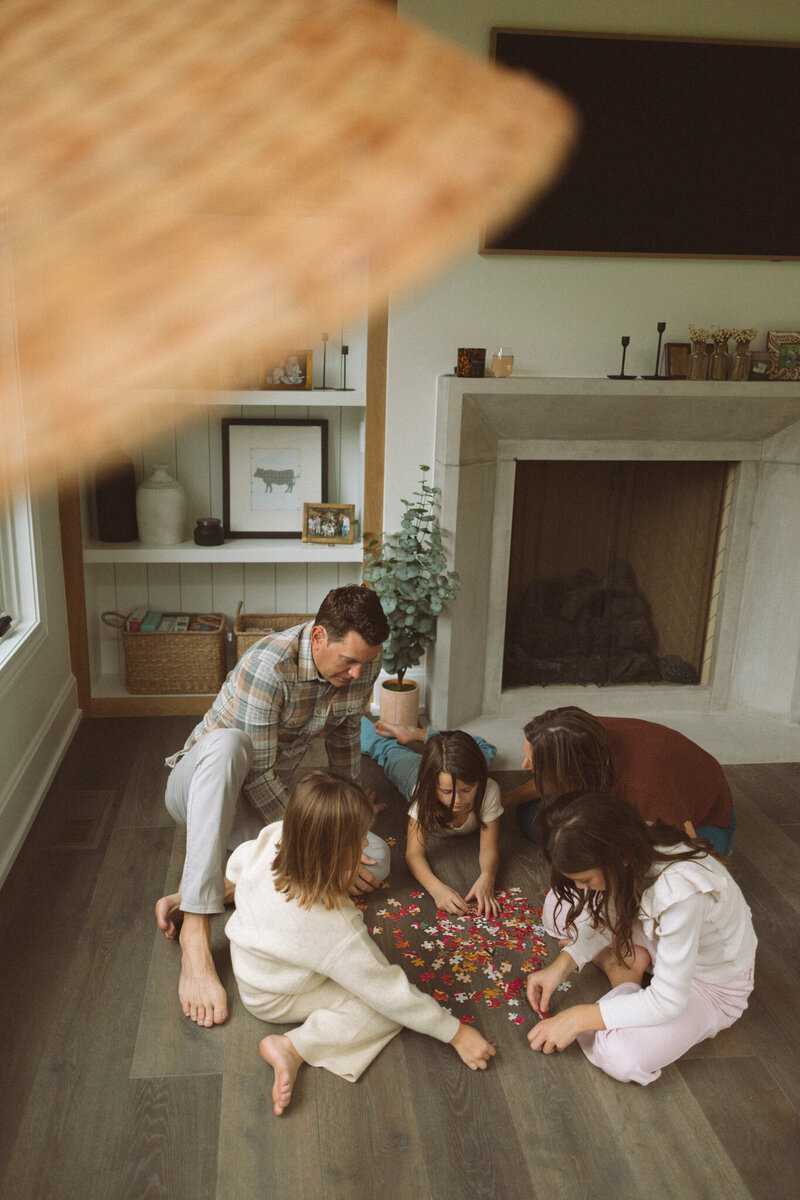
{"points": [[409, 572]]}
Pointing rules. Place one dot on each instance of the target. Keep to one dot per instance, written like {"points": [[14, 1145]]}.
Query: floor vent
{"points": [[83, 828]]}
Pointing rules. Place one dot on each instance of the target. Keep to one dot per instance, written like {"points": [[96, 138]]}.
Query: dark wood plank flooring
{"points": [[108, 1092]]}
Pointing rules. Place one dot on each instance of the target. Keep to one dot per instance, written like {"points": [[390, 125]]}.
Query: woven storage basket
{"points": [[249, 628], [189, 662]]}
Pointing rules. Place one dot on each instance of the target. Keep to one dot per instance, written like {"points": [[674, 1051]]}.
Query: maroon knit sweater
{"points": [[665, 775]]}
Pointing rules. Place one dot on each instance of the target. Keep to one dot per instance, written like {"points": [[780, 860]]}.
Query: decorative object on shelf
{"points": [[249, 628], [625, 341], [323, 387], [328, 523], [785, 351], [676, 359], [502, 362], [471, 362], [115, 497], [661, 326], [719, 355], [741, 360], [209, 532], [161, 508], [759, 365], [409, 572], [290, 373], [345, 353], [698, 357], [175, 661], [270, 469]]}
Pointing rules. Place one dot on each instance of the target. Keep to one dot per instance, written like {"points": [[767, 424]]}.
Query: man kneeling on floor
{"points": [[230, 779]]}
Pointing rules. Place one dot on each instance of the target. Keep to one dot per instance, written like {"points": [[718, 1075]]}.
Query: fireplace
{"points": [[485, 428]]}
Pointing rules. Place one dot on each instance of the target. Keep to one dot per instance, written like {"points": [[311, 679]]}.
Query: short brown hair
{"points": [[569, 752], [320, 846], [353, 609]]}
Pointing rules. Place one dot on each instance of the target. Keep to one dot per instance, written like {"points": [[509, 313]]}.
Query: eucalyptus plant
{"points": [[409, 572]]}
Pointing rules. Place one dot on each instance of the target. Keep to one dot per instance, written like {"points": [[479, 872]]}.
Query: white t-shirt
{"points": [[491, 809]]}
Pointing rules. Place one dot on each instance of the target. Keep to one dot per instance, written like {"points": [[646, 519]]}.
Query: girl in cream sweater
{"points": [[301, 951]]}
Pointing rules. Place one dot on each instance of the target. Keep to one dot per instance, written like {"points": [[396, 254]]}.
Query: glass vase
{"points": [[719, 361], [741, 362], [698, 361]]}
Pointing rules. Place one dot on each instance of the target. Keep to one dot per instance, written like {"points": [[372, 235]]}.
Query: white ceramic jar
{"points": [[161, 509]]}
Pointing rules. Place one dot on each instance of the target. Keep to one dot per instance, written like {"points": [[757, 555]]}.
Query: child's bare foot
{"points": [[631, 971], [403, 733], [279, 1052], [168, 914], [200, 992]]}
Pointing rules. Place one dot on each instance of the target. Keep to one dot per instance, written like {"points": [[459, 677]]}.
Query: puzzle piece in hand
{"points": [[479, 952]]}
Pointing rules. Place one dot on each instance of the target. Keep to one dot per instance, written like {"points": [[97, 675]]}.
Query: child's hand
{"points": [[542, 984], [472, 1048], [482, 892], [450, 901]]}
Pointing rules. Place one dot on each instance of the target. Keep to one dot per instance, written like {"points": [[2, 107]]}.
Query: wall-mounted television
{"points": [[688, 147]]}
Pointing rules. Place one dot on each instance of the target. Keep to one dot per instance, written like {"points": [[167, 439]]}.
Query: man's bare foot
{"points": [[403, 733], [631, 971], [168, 914], [279, 1052], [200, 992]]}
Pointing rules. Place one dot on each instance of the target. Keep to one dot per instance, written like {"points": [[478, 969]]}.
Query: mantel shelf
{"points": [[235, 550], [271, 397]]}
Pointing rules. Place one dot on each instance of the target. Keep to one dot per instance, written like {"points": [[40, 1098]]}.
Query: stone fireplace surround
{"points": [[751, 708]]}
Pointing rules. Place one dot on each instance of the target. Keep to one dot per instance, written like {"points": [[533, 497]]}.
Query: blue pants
{"points": [[399, 763], [721, 839]]}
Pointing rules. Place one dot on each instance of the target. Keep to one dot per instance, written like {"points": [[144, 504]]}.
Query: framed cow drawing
{"points": [[271, 468]]}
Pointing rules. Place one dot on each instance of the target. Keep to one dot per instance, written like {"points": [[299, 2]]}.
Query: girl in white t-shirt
{"points": [[302, 954], [634, 898], [450, 793]]}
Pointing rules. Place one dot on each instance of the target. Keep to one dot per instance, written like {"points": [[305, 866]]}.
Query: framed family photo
{"points": [[332, 523], [292, 372], [271, 468], [785, 351]]}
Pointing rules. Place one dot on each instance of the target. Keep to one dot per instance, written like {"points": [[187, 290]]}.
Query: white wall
{"points": [[565, 316], [38, 697]]}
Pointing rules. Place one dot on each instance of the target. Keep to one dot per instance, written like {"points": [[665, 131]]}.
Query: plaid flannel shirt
{"points": [[275, 695]]}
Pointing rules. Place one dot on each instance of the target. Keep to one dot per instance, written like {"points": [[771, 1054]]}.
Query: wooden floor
{"points": [[107, 1091]]}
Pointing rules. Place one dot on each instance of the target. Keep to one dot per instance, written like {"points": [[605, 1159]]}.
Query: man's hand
{"points": [[364, 881], [376, 807]]}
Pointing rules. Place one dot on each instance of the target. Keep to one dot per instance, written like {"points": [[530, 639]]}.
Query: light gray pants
{"points": [[204, 794]]}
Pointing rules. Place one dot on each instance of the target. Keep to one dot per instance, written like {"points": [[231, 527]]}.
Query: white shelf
{"points": [[236, 550], [309, 397]]}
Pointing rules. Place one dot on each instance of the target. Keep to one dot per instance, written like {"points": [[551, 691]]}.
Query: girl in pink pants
{"points": [[634, 898]]}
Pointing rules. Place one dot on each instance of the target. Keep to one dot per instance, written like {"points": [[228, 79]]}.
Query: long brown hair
{"points": [[569, 752], [451, 752], [600, 831], [320, 847]]}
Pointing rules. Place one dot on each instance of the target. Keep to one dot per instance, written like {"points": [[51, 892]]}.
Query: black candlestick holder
{"points": [[344, 387], [626, 341], [323, 387], [661, 326]]}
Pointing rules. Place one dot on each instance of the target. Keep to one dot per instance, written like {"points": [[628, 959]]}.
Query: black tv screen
{"points": [[688, 147]]}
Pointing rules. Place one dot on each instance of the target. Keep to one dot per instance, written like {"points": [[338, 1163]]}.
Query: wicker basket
{"points": [[249, 628], [183, 663]]}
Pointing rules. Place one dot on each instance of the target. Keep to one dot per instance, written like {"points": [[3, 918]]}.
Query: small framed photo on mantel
{"points": [[290, 373], [785, 351], [331, 523]]}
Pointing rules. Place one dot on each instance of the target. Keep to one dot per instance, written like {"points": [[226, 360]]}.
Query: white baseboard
{"points": [[22, 795]]}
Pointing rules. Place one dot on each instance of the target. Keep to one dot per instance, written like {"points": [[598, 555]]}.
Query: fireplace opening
{"points": [[614, 571]]}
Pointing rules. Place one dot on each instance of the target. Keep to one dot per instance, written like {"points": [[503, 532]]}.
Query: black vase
{"points": [[115, 497]]}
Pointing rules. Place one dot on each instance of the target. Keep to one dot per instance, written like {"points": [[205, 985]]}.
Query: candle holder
{"points": [[626, 341], [661, 326], [323, 387], [344, 387]]}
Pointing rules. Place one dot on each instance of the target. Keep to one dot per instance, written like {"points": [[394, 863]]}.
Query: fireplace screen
{"points": [[611, 571]]}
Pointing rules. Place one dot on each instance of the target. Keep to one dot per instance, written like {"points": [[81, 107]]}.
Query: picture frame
{"points": [[676, 359], [785, 350], [338, 518], [759, 365], [271, 467], [289, 373]]}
